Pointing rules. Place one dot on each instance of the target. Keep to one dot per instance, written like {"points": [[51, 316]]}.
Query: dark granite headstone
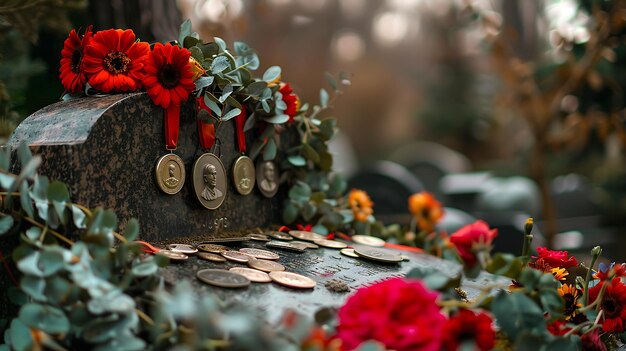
{"points": [[106, 150], [321, 265]]}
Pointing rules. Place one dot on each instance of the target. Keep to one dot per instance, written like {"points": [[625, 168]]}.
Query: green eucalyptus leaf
{"points": [[132, 229], [327, 128], [232, 102], [505, 264], [80, 219], [323, 98], [220, 42], [278, 119], [184, 31], [6, 223], [190, 42], [51, 261], [30, 264], [570, 343], [212, 105], [58, 289], [46, 318], [516, 312], [269, 153], [204, 82], [231, 114], [308, 211], [320, 229], [228, 89], [266, 106], [310, 152], [256, 88], [209, 49], [25, 201], [257, 146], [196, 53], [331, 219], [300, 192], [338, 185], [331, 81], [20, 336], [124, 342], [326, 161], [290, 212], [551, 301], [6, 180], [219, 64], [145, 268], [271, 74], [5, 159], [297, 160], [30, 169], [160, 260], [24, 155], [33, 233], [34, 287], [250, 122]]}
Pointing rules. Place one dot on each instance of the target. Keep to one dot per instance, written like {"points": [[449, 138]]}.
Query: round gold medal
{"points": [[170, 174], [209, 181], [243, 175]]}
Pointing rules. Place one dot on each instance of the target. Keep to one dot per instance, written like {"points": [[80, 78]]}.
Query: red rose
{"points": [[549, 259], [471, 239], [468, 326], [613, 304], [400, 313]]}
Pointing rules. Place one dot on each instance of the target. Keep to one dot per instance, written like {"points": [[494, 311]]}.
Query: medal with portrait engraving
{"points": [[170, 169], [243, 175], [267, 178]]}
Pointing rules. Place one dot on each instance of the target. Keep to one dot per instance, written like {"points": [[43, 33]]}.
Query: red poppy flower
{"points": [[611, 271], [169, 78], [426, 210], [291, 99], [613, 304], [467, 326], [71, 71], [400, 313], [113, 61], [549, 259], [471, 239]]}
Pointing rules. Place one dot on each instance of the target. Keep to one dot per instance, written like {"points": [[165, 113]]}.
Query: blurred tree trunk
{"points": [[151, 20]]}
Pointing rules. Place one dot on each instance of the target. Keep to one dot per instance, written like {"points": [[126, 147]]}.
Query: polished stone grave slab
{"points": [[321, 265]]}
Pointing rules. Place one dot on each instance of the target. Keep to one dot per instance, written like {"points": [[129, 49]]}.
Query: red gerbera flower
{"points": [[168, 79], [466, 326], [613, 304], [291, 99], [611, 271], [400, 313], [549, 259], [113, 61], [71, 71]]}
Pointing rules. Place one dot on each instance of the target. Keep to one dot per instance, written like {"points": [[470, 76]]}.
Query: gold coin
{"points": [[173, 255], [279, 235], [258, 253], [267, 178], [259, 237], [308, 236], [236, 256], [213, 248], [368, 240], [377, 255], [211, 257], [209, 181], [349, 252], [333, 244], [182, 248], [222, 278], [285, 245], [254, 275], [265, 265], [292, 280], [170, 174], [244, 175]]}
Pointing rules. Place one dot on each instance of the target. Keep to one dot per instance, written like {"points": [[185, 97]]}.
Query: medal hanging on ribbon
{"points": [[209, 175], [170, 169], [243, 167]]}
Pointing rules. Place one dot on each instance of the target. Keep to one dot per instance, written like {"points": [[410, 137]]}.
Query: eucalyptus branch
{"points": [[577, 328], [53, 232], [141, 314]]}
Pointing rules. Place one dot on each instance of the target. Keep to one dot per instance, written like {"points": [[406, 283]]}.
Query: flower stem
{"points": [[595, 253], [528, 239]]}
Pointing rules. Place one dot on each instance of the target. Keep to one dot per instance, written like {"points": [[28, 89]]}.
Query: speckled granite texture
{"points": [[106, 149]]}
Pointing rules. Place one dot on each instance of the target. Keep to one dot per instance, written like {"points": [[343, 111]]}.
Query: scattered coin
{"points": [[213, 248], [211, 257], [279, 235], [236, 256], [368, 240], [333, 244], [265, 265], [301, 245], [258, 253], [285, 246], [306, 244], [259, 237], [292, 280], [222, 278], [405, 258], [182, 248], [254, 275], [173, 255], [349, 252], [308, 236], [377, 255]]}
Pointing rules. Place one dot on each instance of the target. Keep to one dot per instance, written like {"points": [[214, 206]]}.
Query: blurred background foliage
{"points": [[490, 79]]}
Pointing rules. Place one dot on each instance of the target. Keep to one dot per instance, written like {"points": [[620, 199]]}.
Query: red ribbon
{"points": [[240, 120], [172, 124], [206, 131]]}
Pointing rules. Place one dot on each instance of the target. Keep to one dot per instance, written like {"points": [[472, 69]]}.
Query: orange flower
{"points": [[168, 79], [559, 273], [426, 210], [361, 204], [570, 295], [71, 71], [114, 61], [196, 68]]}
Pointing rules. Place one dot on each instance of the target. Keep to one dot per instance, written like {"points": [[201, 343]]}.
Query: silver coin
{"points": [[377, 255], [285, 246], [173, 255], [236, 256], [308, 236], [259, 237], [332, 244], [258, 253], [279, 235], [348, 252], [305, 244], [222, 278], [368, 240], [182, 248]]}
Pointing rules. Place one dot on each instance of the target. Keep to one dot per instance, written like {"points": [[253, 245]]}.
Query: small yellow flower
{"points": [[196, 68], [559, 273]]}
